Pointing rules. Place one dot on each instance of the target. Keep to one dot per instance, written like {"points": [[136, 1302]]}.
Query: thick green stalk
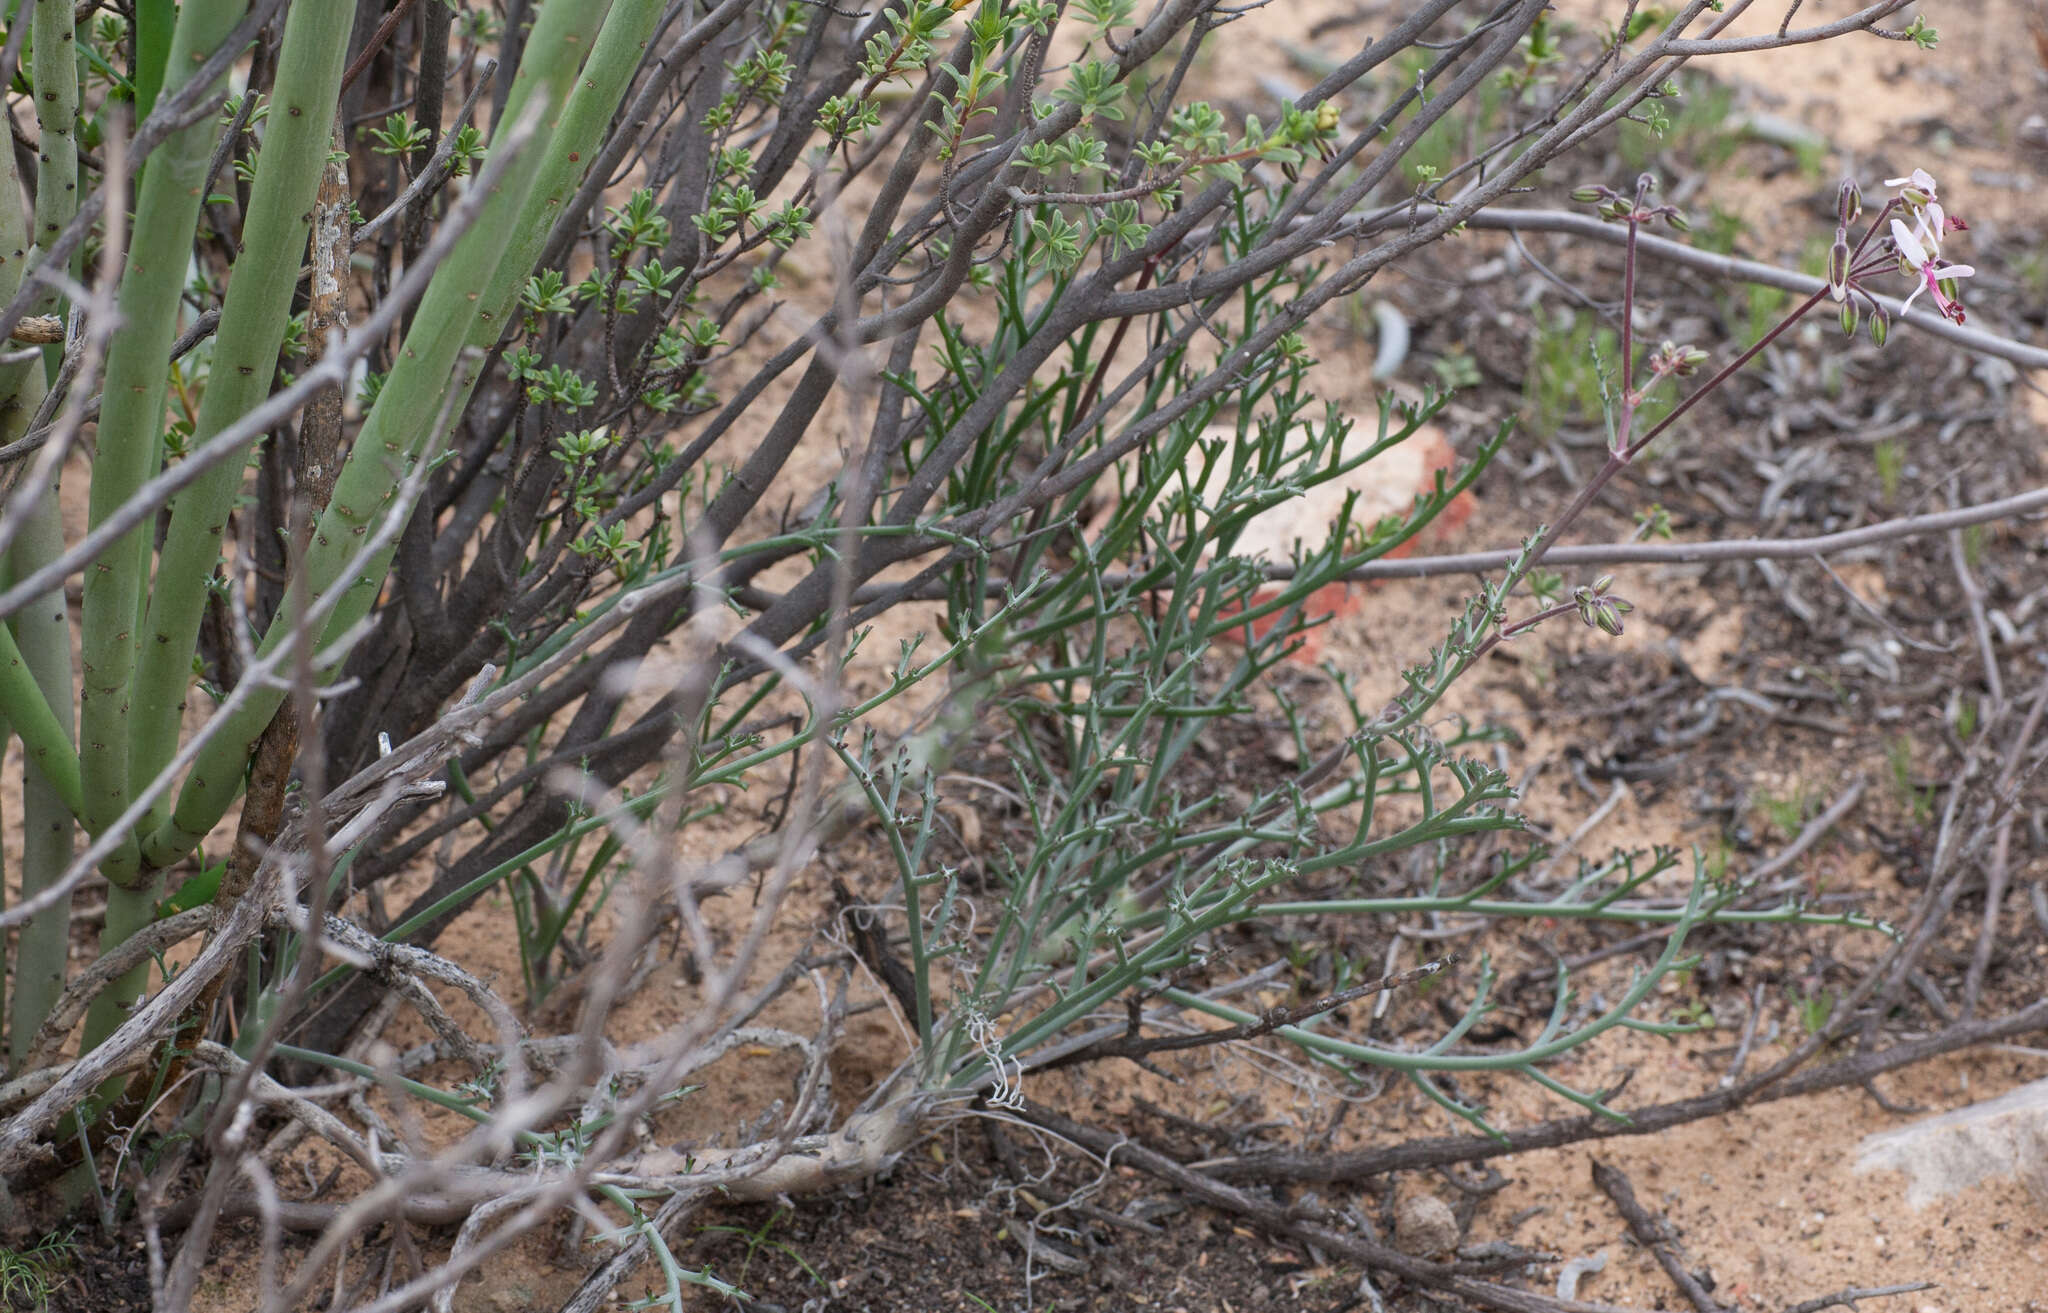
{"points": [[11, 426], [129, 909], [298, 135], [43, 632], [46, 740], [13, 1065], [399, 427], [153, 33], [55, 68], [131, 435], [43, 737], [585, 119]]}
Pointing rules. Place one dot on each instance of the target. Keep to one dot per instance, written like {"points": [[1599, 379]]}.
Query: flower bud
{"points": [[1838, 270], [1676, 218], [1589, 194], [1880, 327], [1605, 617], [1326, 117], [1848, 203], [1849, 318], [1603, 583]]}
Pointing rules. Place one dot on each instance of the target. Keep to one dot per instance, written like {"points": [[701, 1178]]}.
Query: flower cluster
{"points": [[1600, 608], [1917, 225], [1919, 246], [1613, 206]]}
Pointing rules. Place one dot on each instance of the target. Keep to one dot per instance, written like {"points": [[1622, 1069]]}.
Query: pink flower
{"points": [[1919, 187], [1931, 223], [1931, 273]]}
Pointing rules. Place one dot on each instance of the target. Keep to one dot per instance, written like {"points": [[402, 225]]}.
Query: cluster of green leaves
{"points": [[1143, 635], [1146, 636], [29, 1275]]}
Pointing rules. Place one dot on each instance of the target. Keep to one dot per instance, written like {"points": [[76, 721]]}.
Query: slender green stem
{"points": [[131, 434], [245, 352], [639, 808], [1550, 1046], [1560, 910], [913, 910]]}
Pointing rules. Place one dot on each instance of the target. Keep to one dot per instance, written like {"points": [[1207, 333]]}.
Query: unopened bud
{"points": [[1603, 583], [1589, 194], [1616, 209], [1605, 617], [1326, 117], [1849, 319], [1838, 270], [1880, 327], [1677, 219], [1848, 203]]}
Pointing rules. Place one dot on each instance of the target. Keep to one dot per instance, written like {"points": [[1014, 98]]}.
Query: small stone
{"points": [[1423, 1225]]}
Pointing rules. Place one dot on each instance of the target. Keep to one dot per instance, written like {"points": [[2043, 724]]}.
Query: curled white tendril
{"points": [[1009, 1072]]}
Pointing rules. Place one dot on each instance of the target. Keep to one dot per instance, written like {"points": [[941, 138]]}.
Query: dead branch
{"points": [[1848, 1298], [1281, 1220], [1654, 1234]]}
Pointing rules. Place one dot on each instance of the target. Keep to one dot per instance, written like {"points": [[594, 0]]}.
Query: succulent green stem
{"points": [[43, 633], [46, 739], [458, 308], [131, 436], [39, 635], [585, 119], [297, 138], [54, 64], [155, 47]]}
